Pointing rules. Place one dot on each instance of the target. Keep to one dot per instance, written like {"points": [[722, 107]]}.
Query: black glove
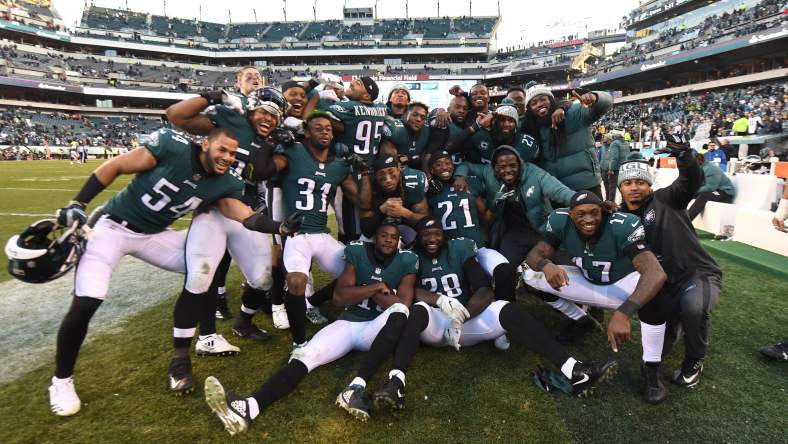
{"points": [[282, 135], [213, 97], [292, 223], [357, 162], [434, 186], [75, 212], [341, 150], [677, 145]]}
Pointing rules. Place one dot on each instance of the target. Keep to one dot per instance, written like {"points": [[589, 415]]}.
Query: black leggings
{"points": [[706, 196]]}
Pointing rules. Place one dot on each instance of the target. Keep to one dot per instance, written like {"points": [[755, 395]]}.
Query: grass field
{"points": [[478, 395]]}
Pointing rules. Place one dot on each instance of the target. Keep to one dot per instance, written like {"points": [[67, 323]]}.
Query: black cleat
{"points": [[391, 395], [247, 329], [655, 390], [222, 310], [689, 373], [586, 376], [180, 376], [354, 401], [778, 352], [575, 330], [231, 409]]}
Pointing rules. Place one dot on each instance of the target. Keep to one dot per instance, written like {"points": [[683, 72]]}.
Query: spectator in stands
{"points": [[614, 151], [567, 148], [713, 152], [741, 125], [754, 122], [716, 188]]}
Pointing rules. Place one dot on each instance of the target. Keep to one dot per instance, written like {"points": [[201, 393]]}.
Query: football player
{"points": [[408, 139], [491, 131], [360, 127], [614, 269], [439, 137], [311, 174], [694, 280], [454, 307], [376, 287], [462, 214], [399, 99], [397, 193], [517, 95], [254, 119], [173, 177]]}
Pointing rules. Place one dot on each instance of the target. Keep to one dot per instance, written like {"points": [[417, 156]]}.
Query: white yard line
{"points": [[31, 314]]}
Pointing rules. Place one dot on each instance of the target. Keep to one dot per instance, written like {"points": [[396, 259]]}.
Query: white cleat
{"points": [[63, 399], [279, 315], [231, 409], [215, 345]]}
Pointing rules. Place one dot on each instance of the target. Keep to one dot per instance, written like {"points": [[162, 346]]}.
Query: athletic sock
{"points": [[568, 308], [180, 352], [280, 384], [323, 295], [409, 341], [568, 366], [186, 314], [278, 287], [295, 305], [383, 345], [208, 313], [72, 333], [653, 338], [522, 327]]}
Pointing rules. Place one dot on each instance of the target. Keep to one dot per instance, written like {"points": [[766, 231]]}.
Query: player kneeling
{"points": [[455, 308], [376, 288], [615, 270]]}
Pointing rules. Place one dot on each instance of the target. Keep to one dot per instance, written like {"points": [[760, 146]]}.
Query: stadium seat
{"points": [[757, 191], [754, 227]]}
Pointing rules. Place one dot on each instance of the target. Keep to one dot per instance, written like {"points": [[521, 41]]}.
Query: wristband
{"points": [[628, 307], [782, 210], [91, 189], [542, 263]]}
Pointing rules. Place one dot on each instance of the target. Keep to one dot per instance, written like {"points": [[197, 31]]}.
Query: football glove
{"points": [[434, 186], [75, 212], [503, 195], [228, 98], [329, 94], [357, 162], [324, 77], [282, 135], [452, 334], [292, 223], [453, 308], [677, 144], [293, 124], [341, 150]]}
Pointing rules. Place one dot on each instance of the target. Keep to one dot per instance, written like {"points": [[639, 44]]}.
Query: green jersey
{"points": [[457, 210], [368, 271], [363, 125], [606, 260], [485, 144], [407, 143], [445, 274], [154, 199], [310, 185]]}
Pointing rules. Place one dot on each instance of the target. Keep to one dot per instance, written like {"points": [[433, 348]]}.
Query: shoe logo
{"points": [[239, 405], [687, 380], [584, 379], [400, 394]]}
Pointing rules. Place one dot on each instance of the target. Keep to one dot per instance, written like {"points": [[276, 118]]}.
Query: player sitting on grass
{"points": [[376, 288], [456, 308], [614, 269]]}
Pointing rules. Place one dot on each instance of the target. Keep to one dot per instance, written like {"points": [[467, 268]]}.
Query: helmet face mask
{"points": [[44, 252]]}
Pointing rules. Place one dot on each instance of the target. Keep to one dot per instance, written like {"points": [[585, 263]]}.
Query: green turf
{"points": [[757, 258], [478, 395]]}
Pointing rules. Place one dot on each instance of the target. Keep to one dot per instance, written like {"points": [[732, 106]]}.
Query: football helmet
{"points": [[44, 251], [270, 99]]}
